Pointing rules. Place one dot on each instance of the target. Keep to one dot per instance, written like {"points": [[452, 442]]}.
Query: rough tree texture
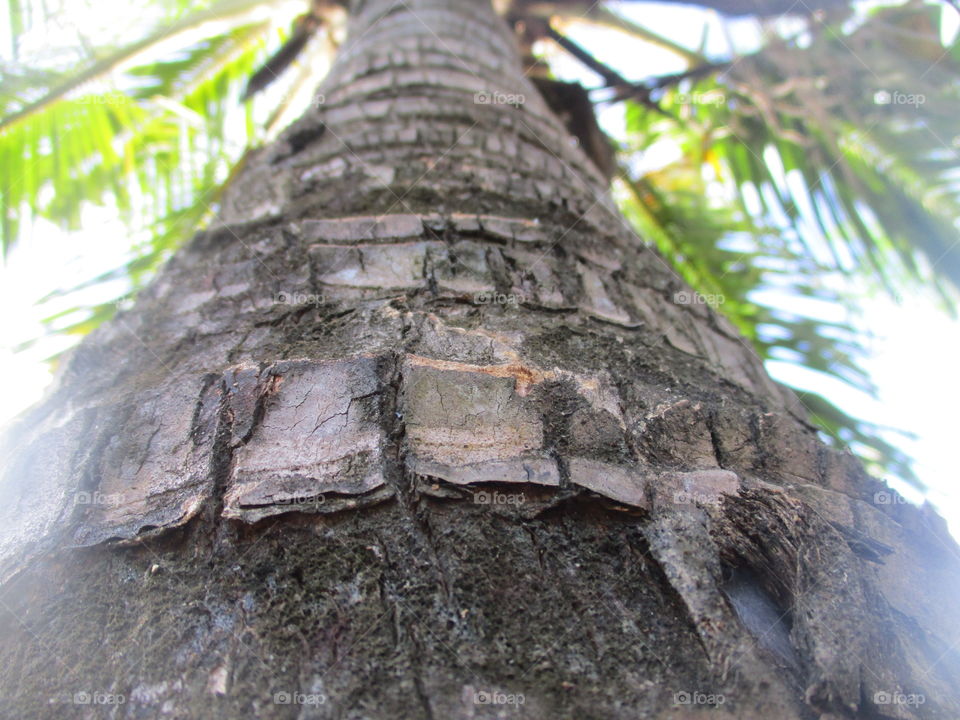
{"points": [[421, 419]]}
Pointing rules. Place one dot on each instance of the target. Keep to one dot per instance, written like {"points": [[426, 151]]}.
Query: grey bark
{"points": [[421, 424]]}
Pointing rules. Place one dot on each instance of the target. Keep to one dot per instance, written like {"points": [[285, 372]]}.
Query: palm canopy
{"points": [[826, 151]]}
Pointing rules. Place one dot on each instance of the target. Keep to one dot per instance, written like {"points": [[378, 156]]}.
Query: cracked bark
{"points": [[547, 478]]}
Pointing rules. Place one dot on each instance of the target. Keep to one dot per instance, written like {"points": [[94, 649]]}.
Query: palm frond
{"points": [[105, 66], [851, 140], [158, 151]]}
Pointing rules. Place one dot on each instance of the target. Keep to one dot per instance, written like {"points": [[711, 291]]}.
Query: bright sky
{"points": [[915, 347]]}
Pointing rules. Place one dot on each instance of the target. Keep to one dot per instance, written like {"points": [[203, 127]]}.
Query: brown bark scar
{"points": [[525, 377]]}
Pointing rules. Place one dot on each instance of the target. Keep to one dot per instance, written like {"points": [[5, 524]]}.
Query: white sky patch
{"points": [[913, 363], [47, 261]]}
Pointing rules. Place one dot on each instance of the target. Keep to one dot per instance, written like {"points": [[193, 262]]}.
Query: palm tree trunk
{"points": [[421, 429]]}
